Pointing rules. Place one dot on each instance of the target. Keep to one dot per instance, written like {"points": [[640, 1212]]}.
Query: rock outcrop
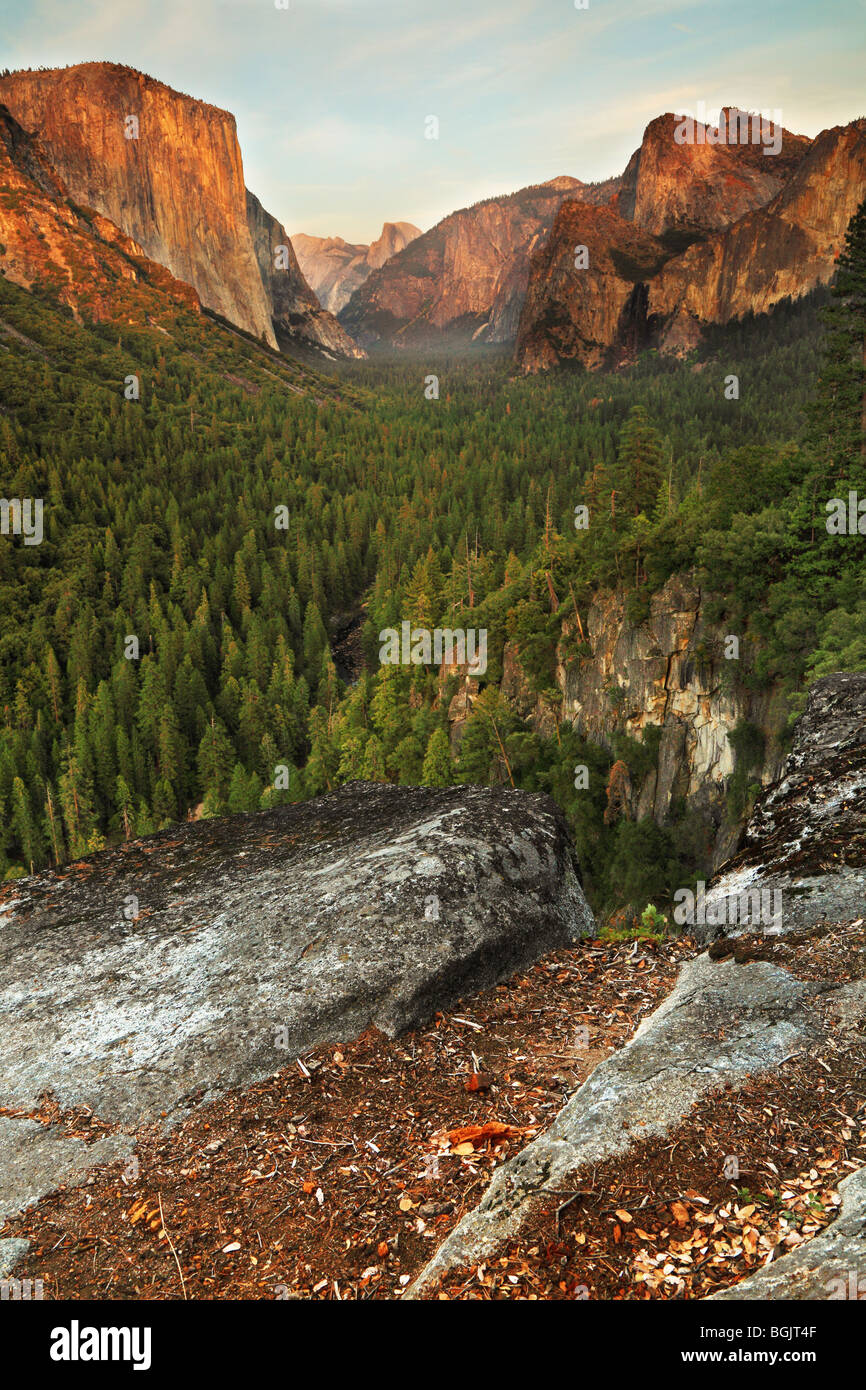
{"points": [[762, 1017], [465, 279], [295, 312], [806, 839], [669, 672], [592, 312], [48, 241], [727, 1019], [686, 190], [736, 231], [205, 956], [782, 250], [334, 268], [166, 169], [666, 678]]}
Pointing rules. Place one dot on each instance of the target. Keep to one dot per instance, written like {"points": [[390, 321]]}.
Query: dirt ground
{"points": [[337, 1177]]}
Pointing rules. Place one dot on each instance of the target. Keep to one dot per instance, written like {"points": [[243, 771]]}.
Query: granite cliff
{"points": [[665, 678], [48, 242], [595, 314], [780, 250], [167, 171], [697, 234], [684, 190]]}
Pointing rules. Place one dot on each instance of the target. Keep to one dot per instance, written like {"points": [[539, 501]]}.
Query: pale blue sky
{"points": [[331, 96]]}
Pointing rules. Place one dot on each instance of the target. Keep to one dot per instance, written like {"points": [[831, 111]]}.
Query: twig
{"points": [[563, 1205], [171, 1246]]}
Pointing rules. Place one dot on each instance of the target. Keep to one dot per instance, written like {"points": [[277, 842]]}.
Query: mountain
{"points": [[697, 234], [465, 279], [683, 190], [295, 311], [581, 313], [48, 243], [167, 170], [334, 268], [781, 250]]}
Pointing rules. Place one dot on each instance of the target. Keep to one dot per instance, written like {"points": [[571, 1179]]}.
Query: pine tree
{"points": [[215, 761], [26, 829], [373, 766], [639, 468], [164, 803], [123, 798], [438, 769], [315, 640], [839, 414]]}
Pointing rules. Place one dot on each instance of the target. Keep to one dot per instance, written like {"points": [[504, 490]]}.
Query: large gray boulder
{"points": [[210, 954]]}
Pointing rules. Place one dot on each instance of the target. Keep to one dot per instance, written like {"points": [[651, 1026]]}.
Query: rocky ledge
{"points": [[806, 840], [147, 977]]}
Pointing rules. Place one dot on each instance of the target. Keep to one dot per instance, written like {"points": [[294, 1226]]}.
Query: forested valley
{"points": [[173, 646]]}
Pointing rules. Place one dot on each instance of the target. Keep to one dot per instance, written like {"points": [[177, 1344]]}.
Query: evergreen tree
{"points": [[438, 770], [839, 414]]}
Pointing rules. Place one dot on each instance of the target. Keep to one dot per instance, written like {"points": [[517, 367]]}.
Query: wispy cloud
{"points": [[331, 95]]}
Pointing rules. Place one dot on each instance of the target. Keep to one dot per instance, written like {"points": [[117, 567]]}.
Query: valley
{"points": [[432, 695]]}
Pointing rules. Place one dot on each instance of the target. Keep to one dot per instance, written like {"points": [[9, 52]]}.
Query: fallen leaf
{"points": [[494, 1132]]}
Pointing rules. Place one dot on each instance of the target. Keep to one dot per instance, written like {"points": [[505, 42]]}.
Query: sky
{"points": [[333, 97]]}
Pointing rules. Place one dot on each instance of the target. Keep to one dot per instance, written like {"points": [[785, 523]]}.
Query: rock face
{"points": [[177, 188], [294, 310], [727, 1020], [807, 835], [209, 954], [685, 190], [46, 240], [669, 674], [736, 231], [466, 278], [588, 312], [335, 268], [781, 250]]}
